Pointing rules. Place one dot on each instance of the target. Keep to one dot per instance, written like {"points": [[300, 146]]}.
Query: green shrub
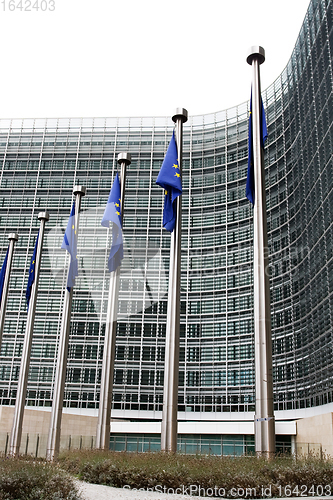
{"points": [[278, 477], [26, 479]]}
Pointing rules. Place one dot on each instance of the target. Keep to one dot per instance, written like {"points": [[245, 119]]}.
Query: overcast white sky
{"points": [[102, 58]]}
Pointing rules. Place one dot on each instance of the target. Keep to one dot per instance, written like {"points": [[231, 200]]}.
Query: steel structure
{"points": [[41, 161]]}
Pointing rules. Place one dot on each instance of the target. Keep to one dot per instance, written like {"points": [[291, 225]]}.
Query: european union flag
{"points": [[170, 180], [112, 214], [3, 274], [31, 278], [250, 187], [70, 244]]}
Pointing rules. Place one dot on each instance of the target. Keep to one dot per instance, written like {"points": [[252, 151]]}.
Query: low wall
{"points": [[38, 422], [316, 429], [77, 431]]}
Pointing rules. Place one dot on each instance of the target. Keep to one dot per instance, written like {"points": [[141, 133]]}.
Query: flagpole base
{"points": [[264, 432]]}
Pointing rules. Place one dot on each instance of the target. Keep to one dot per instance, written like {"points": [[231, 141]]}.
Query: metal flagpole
{"points": [[53, 443], [264, 424], [105, 399], [13, 237], [15, 437], [171, 366]]}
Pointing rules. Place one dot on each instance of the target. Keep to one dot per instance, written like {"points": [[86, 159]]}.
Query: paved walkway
{"points": [[101, 492]]}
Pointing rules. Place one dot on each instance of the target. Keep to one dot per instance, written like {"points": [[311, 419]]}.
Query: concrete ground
{"points": [[101, 492]]}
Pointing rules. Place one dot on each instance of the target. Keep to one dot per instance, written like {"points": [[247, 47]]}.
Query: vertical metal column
{"points": [[53, 443], [16, 433], [13, 237], [171, 366], [105, 399], [264, 424]]}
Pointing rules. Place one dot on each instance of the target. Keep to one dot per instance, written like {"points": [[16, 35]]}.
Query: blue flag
{"points": [[70, 244], [31, 278], [250, 187], [170, 180], [3, 274], [112, 214]]}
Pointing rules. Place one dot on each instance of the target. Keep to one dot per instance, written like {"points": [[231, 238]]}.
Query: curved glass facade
{"points": [[43, 159]]}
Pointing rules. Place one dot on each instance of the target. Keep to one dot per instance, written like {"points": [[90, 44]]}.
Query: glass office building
{"points": [[41, 161]]}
